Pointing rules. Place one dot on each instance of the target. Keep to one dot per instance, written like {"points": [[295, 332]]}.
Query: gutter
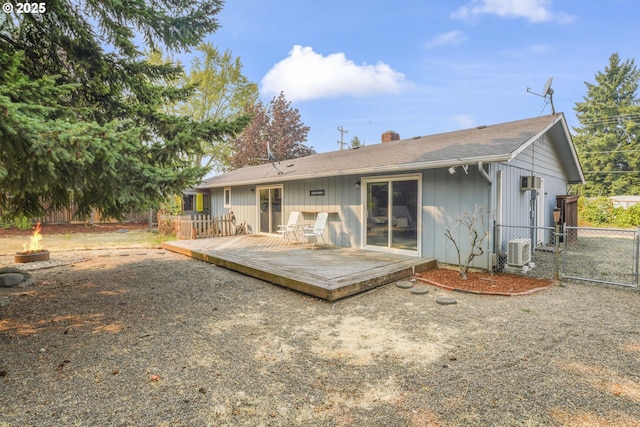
{"points": [[364, 171]]}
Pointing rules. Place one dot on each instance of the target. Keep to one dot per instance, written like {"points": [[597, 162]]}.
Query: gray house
{"points": [[399, 195]]}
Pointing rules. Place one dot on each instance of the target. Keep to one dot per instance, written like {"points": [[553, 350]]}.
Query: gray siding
{"points": [[243, 204], [539, 159], [340, 199], [445, 197]]}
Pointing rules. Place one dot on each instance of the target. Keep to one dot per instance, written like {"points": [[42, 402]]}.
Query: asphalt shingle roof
{"points": [[500, 142]]}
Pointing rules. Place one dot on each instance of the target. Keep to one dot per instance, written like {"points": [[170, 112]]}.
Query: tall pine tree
{"points": [[81, 115], [608, 139]]}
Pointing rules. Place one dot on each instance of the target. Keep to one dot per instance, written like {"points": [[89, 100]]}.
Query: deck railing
{"points": [[198, 226]]}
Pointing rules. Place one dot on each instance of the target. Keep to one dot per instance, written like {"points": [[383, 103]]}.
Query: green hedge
{"points": [[601, 212], [20, 222]]}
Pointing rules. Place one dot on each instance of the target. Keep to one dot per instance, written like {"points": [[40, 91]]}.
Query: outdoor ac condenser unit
{"points": [[529, 183], [519, 252]]}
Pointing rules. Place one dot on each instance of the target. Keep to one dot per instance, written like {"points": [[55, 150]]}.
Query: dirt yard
{"points": [[73, 237], [140, 336]]}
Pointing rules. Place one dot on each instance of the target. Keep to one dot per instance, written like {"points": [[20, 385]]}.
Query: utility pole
{"points": [[342, 132]]}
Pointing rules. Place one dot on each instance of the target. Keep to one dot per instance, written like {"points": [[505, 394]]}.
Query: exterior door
{"points": [[269, 209], [391, 212]]}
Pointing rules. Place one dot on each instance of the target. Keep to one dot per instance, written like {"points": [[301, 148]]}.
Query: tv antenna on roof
{"points": [[271, 158], [547, 93]]}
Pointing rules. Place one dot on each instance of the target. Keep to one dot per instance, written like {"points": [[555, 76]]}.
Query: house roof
{"points": [[487, 144]]}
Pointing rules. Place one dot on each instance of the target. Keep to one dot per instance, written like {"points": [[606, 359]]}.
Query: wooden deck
{"points": [[327, 272]]}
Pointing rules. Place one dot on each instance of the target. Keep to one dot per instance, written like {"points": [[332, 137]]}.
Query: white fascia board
{"points": [[533, 139], [574, 154], [370, 170]]}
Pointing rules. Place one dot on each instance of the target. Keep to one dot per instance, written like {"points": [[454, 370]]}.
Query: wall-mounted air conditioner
{"points": [[529, 183], [519, 252]]}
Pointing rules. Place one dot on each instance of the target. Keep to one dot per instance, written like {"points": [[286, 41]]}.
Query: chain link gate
{"points": [[601, 255]]}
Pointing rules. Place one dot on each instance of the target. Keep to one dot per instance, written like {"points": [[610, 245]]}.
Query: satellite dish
{"points": [[547, 93], [271, 158], [546, 90]]}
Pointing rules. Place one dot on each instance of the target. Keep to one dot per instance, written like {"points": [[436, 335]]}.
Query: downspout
{"points": [[487, 178], [484, 174], [499, 219]]}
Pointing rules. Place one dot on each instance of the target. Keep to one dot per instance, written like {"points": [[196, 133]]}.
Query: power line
{"points": [[610, 119], [609, 152], [606, 172], [342, 132]]}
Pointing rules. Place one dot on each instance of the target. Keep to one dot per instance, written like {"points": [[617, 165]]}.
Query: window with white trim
{"points": [[227, 197]]}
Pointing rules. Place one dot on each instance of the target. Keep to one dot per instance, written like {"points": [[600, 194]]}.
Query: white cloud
{"points": [[533, 10], [305, 74], [539, 48], [464, 121], [449, 38], [520, 52]]}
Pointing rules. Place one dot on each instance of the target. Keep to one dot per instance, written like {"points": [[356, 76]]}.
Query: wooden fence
{"points": [[171, 224], [198, 226], [68, 216]]}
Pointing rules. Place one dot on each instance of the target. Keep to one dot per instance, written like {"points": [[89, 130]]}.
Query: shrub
{"points": [[601, 212], [20, 222], [595, 211], [474, 224], [627, 217]]}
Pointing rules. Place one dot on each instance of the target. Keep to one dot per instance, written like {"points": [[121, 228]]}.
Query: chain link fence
{"points": [[512, 244], [601, 255]]}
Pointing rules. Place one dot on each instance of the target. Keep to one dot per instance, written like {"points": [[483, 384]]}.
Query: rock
{"points": [[5, 301], [123, 230], [446, 301], [11, 277], [4, 270], [9, 280], [404, 284], [419, 290]]}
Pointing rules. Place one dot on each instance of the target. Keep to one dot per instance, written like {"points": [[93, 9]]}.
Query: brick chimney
{"points": [[389, 136]]}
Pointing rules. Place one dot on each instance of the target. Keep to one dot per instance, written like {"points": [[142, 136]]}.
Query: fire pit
{"points": [[21, 257], [34, 252]]}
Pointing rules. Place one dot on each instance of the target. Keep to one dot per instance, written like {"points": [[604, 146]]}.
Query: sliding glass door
{"points": [[270, 209], [391, 212], [378, 214]]}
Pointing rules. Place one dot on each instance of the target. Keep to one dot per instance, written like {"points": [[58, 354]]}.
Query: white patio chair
{"points": [[289, 229], [312, 233]]}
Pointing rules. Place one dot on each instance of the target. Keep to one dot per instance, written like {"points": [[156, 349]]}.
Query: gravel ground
{"points": [[147, 337], [606, 255], [602, 255]]}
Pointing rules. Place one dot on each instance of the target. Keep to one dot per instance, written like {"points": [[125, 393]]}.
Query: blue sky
{"points": [[424, 67]]}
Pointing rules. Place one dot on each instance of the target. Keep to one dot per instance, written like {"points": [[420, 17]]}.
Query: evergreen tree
{"points": [[356, 143], [81, 110], [608, 139]]}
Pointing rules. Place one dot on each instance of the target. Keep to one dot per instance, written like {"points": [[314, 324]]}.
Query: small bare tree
{"points": [[476, 232]]}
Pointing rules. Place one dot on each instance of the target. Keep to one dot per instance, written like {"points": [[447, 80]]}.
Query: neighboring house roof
{"points": [[487, 144]]}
